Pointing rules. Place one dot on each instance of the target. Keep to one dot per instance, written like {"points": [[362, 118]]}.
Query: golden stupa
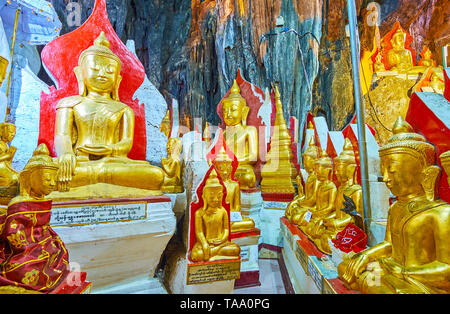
{"points": [[279, 173]]}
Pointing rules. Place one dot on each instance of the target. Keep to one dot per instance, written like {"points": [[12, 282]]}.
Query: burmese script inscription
{"points": [[211, 272], [97, 213]]}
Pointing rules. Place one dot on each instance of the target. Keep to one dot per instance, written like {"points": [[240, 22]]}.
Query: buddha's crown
{"points": [[101, 48]]}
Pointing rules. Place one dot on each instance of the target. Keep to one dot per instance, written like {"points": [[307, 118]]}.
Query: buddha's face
{"points": [[173, 147], [427, 54], [340, 171], [233, 112], [323, 171], [213, 196], [402, 173], [100, 73], [9, 131], [398, 41], [224, 168], [43, 181], [308, 162]]}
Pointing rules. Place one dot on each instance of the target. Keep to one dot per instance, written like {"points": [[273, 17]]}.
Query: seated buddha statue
{"points": [[445, 162], [345, 169], [325, 197], [414, 256], [437, 82], [3, 68], [379, 65], [211, 226], [33, 256], [307, 200], [94, 131], [241, 138], [399, 58], [172, 167], [8, 175], [224, 166]]}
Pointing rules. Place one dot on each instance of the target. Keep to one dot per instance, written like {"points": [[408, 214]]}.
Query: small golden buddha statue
{"points": [[212, 226], [426, 61], [224, 166], [37, 258], [302, 203], [172, 166], [8, 175], [279, 171], [414, 257], [379, 65], [437, 82], [241, 138], [207, 134], [166, 125], [3, 67], [38, 178], [345, 169], [94, 132], [325, 197]]}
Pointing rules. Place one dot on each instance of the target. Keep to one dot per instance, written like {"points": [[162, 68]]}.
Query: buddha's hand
{"points": [[392, 267], [215, 242], [97, 149], [355, 267], [66, 164], [206, 252]]}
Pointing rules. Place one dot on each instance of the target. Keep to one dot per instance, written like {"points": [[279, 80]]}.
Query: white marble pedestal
{"points": [[248, 242], [115, 241], [270, 215], [251, 204]]}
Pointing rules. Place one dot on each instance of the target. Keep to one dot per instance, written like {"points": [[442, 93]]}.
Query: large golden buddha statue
{"points": [[241, 138], [224, 166], [94, 131], [211, 226], [415, 256], [345, 169], [304, 201]]}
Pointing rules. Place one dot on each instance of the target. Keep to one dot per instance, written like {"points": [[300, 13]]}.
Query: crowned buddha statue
{"points": [[325, 197], [304, 201], [8, 176], [415, 256], [172, 167], [426, 60], [32, 255], [224, 166], [211, 226], [345, 169], [379, 65], [241, 138], [94, 131]]}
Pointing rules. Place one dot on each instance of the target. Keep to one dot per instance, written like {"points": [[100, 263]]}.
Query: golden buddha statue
{"points": [[8, 176], [437, 81], [207, 135], [279, 171], [345, 169], [426, 61], [304, 201], [212, 226], [94, 133], [241, 138], [414, 257], [224, 166], [399, 58], [166, 125], [3, 68], [325, 197], [379, 65], [38, 178], [172, 167]]}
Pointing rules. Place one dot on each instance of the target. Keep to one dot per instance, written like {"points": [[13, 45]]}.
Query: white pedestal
{"points": [[175, 279], [251, 204], [248, 243], [140, 285], [115, 251], [270, 222], [179, 204]]}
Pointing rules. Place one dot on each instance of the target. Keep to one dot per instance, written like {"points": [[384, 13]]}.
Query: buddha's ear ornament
{"points": [[430, 178]]}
